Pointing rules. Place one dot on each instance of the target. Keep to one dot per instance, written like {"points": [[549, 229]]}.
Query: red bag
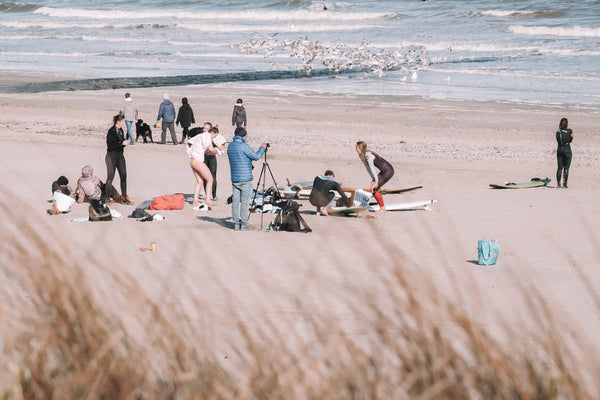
{"points": [[168, 202]]}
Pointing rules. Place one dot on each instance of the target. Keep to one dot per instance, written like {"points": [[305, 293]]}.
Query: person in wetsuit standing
{"points": [[564, 137], [372, 160]]}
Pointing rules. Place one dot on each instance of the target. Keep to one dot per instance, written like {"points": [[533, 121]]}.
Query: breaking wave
{"points": [[576, 31]]}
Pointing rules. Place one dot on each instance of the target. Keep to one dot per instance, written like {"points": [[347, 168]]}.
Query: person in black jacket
{"points": [[323, 191], [115, 160], [564, 137], [185, 118]]}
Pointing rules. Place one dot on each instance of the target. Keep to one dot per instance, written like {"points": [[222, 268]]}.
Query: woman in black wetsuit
{"points": [[372, 160], [564, 137], [115, 160]]}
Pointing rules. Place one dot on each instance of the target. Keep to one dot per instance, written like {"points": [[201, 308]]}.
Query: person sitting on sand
{"points": [[196, 148], [372, 160], [62, 185], [323, 192], [91, 187]]}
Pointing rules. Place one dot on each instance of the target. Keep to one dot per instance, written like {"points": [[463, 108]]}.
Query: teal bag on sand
{"points": [[488, 252]]}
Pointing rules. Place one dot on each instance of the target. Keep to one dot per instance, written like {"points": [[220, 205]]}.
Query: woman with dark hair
{"points": [[185, 118], [373, 161], [115, 160], [564, 137]]}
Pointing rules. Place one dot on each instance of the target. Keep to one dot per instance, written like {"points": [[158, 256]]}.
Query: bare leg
{"points": [[202, 173]]}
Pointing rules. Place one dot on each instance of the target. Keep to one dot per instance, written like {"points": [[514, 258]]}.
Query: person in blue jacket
{"points": [[240, 156], [166, 111]]}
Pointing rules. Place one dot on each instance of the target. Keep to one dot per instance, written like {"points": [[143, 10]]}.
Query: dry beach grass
{"points": [[391, 307]]}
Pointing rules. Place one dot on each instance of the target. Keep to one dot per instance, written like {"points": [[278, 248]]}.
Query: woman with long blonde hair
{"points": [[374, 162], [196, 148]]}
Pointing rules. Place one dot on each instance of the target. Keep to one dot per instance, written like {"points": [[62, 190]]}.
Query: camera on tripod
{"points": [[268, 145]]}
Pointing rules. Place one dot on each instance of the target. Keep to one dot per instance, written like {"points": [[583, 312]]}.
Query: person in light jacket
{"points": [[166, 112], [131, 114]]}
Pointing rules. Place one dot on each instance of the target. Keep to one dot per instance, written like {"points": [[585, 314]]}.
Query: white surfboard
{"points": [[413, 205]]}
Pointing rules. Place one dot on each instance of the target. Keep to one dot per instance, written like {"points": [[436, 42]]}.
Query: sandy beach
{"points": [[549, 237]]}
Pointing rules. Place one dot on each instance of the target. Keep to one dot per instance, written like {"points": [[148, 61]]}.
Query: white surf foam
{"points": [[576, 31], [296, 15]]}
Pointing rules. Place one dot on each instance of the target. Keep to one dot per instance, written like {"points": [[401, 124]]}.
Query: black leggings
{"points": [[115, 160], [563, 157], [211, 162], [384, 175]]}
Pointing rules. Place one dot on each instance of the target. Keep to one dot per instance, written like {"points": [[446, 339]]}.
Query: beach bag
{"points": [[168, 202], [99, 211], [61, 202], [288, 218], [487, 251]]}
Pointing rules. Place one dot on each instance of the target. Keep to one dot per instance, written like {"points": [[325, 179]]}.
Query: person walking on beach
{"points": [[115, 159], [372, 160], [240, 156], [323, 191], [564, 137], [131, 114], [197, 147], [166, 111], [238, 117], [185, 118]]}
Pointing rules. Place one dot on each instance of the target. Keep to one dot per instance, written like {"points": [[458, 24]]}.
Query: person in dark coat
{"points": [[185, 118], [323, 191]]}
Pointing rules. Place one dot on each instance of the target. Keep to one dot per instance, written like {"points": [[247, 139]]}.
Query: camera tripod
{"points": [[262, 178]]}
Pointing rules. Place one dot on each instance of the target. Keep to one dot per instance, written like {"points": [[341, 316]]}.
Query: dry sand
{"points": [[549, 236]]}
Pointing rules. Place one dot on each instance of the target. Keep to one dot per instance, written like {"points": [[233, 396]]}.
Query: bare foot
{"points": [[210, 202], [325, 212], [380, 211], [195, 203]]}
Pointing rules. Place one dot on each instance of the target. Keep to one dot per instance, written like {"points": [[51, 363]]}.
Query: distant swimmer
{"points": [[324, 7]]}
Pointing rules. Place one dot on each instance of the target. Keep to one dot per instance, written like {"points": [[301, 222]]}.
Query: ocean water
{"points": [[538, 51]]}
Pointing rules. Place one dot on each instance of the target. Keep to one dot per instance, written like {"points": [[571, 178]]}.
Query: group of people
{"points": [[325, 187], [202, 149]]}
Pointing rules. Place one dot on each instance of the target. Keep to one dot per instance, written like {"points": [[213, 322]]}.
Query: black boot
{"points": [[565, 177]]}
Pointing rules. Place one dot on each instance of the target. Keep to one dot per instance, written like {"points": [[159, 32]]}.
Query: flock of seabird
{"points": [[338, 57]]}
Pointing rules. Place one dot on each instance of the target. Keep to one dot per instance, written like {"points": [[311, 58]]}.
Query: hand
{"points": [[125, 142], [373, 185], [264, 144]]}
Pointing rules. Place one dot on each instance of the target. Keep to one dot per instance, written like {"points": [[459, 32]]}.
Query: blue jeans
{"points": [[240, 204], [129, 131]]}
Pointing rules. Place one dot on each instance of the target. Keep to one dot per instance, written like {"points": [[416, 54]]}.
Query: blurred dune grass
{"points": [[62, 338]]}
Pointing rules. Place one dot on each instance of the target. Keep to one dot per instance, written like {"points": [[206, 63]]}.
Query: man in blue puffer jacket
{"points": [[241, 156]]}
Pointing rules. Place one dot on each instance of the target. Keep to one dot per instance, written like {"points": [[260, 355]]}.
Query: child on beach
{"points": [[238, 118], [372, 160]]}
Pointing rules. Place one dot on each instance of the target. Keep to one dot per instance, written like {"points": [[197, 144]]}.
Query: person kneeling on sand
{"points": [[323, 192], [91, 187]]}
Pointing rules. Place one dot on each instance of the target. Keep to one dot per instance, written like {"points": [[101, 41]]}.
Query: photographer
{"points": [[240, 156]]}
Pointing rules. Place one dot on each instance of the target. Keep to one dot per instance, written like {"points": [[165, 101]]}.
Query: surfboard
{"points": [[412, 205], [535, 182], [304, 193], [346, 210]]}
